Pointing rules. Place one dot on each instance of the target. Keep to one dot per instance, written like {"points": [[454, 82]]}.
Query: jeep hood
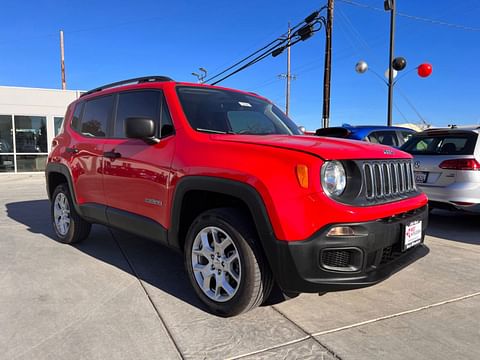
{"points": [[323, 147]]}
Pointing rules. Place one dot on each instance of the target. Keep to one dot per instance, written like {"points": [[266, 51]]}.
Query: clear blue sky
{"points": [[106, 41]]}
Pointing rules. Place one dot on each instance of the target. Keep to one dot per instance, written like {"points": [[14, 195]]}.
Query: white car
{"points": [[447, 166]]}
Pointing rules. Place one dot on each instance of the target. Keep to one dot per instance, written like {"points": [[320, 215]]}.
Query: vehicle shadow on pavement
{"points": [[454, 226], [153, 263]]}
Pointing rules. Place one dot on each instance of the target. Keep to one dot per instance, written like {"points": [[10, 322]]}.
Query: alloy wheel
{"points": [[216, 264], [61, 214]]}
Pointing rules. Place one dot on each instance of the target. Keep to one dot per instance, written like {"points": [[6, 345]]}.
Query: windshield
{"points": [[230, 112], [441, 144]]}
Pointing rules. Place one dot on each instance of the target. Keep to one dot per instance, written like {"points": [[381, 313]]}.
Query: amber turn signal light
{"points": [[302, 175]]}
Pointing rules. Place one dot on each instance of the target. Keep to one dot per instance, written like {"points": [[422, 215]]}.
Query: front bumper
{"points": [[322, 264]]}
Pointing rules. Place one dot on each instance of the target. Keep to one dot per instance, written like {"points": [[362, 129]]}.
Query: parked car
{"points": [[224, 177], [447, 166], [387, 135]]}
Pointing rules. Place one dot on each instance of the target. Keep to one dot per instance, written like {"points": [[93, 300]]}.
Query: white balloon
{"points": [[395, 72]]}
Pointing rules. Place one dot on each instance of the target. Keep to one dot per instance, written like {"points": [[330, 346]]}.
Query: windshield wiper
{"points": [[255, 133], [214, 131]]}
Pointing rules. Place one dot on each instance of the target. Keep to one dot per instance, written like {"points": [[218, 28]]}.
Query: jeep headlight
{"points": [[334, 179]]}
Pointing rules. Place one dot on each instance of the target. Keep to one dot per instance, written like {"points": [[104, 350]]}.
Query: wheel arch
{"points": [[216, 192], [56, 174]]}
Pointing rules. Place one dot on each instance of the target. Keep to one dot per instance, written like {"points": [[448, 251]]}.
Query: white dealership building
{"points": [[29, 120]]}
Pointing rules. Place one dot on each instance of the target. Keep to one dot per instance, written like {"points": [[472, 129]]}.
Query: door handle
{"points": [[112, 154], [71, 150]]}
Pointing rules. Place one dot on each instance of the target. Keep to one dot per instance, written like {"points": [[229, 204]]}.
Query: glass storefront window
{"points": [[30, 134], [7, 163], [27, 163], [57, 122], [6, 134], [23, 142]]}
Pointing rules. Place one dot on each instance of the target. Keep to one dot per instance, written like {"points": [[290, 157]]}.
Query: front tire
{"points": [[69, 227], [224, 263]]}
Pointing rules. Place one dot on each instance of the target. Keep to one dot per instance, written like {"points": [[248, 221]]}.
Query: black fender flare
{"points": [[60, 169], [244, 192], [94, 213]]}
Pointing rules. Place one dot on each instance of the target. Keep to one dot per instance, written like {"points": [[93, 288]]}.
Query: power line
{"points": [[409, 102], [302, 31], [87, 29], [246, 50], [414, 17]]}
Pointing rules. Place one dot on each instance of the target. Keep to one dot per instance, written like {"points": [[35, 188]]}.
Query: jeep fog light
{"points": [[334, 179], [341, 231]]}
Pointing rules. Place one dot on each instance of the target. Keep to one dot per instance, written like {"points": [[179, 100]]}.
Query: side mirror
{"points": [[141, 128], [302, 129]]}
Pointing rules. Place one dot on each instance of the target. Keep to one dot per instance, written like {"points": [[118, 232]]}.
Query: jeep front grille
{"points": [[386, 180]]}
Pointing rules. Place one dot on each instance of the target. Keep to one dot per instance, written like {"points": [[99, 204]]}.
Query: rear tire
{"points": [[224, 263], [69, 227]]}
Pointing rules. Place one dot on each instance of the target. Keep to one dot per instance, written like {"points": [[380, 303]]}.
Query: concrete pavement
{"points": [[120, 297]]}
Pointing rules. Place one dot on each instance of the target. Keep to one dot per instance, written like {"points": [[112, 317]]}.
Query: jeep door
{"points": [[84, 151], [137, 174]]}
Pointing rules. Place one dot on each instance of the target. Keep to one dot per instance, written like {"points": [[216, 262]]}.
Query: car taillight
{"points": [[460, 164]]}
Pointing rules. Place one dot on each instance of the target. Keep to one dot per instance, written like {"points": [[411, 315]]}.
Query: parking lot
{"points": [[116, 296]]}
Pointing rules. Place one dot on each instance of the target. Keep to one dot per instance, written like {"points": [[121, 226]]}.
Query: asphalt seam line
{"points": [[164, 325], [313, 336], [396, 314]]}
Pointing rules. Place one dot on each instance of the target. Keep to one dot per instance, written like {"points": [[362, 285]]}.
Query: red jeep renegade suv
{"points": [[227, 179]]}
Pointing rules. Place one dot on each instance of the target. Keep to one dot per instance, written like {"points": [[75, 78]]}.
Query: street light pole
{"points": [[390, 6], [328, 66], [200, 77]]}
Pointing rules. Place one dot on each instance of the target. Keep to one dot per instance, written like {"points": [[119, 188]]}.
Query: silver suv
{"points": [[447, 166]]}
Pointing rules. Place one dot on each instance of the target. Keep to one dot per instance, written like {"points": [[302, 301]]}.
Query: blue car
{"points": [[387, 135]]}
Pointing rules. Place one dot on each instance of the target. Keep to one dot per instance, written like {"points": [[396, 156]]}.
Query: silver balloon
{"points": [[361, 67]]}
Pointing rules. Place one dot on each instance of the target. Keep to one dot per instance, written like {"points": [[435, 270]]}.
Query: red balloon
{"points": [[424, 70]]}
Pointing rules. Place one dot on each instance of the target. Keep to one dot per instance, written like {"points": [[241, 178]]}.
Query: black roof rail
{"points": [[138, 80]]}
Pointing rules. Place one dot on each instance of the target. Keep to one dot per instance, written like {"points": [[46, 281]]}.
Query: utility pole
{"points": [[328, 66], [389, 5], [62, 61], [288, 76], [287, 95]]}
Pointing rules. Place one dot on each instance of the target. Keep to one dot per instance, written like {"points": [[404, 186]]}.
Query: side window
{"points": [[136, 104], [405, 136], [96, 115], [57, 123], [166, 128], [372, 137], [383, 137]]}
